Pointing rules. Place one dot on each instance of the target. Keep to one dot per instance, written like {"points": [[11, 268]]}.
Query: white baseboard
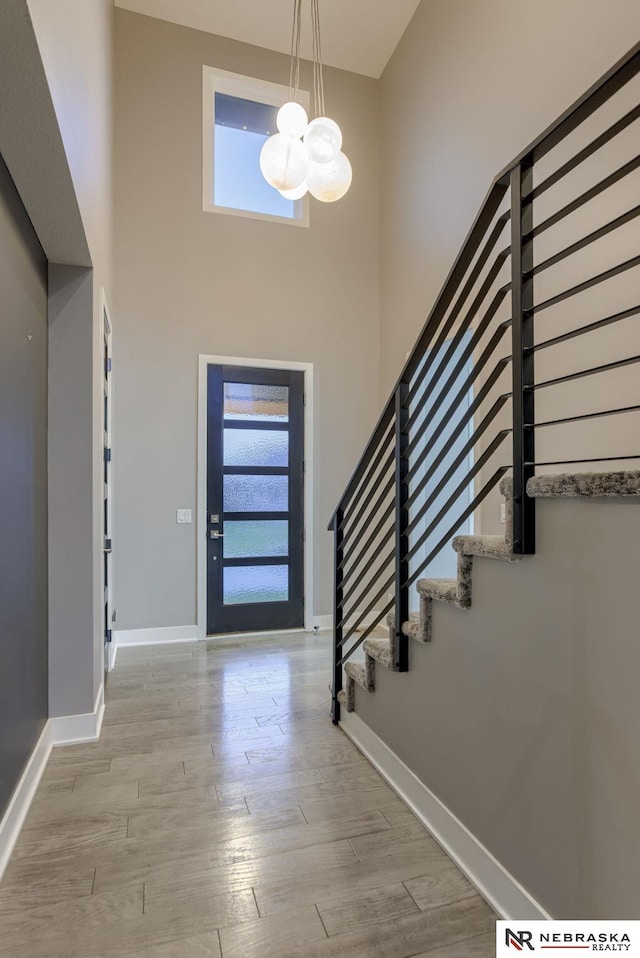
{"points": [[62, 730], [75, 729], [496, 885], [136, 637], [20, 803], [325, 622]]}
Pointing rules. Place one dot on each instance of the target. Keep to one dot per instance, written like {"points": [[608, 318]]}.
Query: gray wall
{"points": [[71, 594], [522, 716], [190, 282], [74, 44], [23, 487]]}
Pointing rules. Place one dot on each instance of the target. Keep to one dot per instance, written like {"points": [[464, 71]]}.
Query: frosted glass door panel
{"points": [[255, 401], [256, 447], [256, 493], [250, 584], [256, 538]]}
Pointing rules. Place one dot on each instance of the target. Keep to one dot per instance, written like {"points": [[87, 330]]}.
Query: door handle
{"points": [[214, 534]]}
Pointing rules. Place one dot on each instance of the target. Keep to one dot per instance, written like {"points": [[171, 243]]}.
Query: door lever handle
{"points": [[214, 534]]}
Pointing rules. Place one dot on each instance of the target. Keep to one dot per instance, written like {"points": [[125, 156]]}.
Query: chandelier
{"points": [[306, 156]]}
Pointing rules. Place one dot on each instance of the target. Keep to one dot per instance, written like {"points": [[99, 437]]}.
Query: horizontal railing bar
{"points": [[457, 308], [585, 241], [475, 469], [597, 94], [582, 330], [466, 354], [369, 608], [586, 415], [585, 153], [386, 489], [379, 430], [478, 432], [594, 370], [626, 68], [451, 472], [484, 492], [375, 560], [442, 337], [384, 448], [588, 283], [579, 201], [470, 411], [372, 538], [456, 274], [573, 462], [367, 633]]}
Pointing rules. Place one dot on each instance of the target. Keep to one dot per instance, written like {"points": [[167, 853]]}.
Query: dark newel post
{"points": [[402, 526], [338, 535], [524, 517]]}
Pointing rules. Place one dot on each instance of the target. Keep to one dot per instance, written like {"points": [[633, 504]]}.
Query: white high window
{"points": [[239, 115]]}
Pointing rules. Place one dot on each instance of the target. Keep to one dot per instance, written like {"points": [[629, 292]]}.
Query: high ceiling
{"points": [[357, 35]]}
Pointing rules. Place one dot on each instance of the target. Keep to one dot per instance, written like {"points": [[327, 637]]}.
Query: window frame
{"points": [[215, 81]]}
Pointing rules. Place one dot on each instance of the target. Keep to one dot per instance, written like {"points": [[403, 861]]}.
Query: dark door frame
{"points": [[204, 361]]}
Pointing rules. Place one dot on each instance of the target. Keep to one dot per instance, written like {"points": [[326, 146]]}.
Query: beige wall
{"points": [[190, 282], [471, 83], [75, 39]]}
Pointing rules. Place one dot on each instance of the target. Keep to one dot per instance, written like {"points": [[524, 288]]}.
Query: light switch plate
{"points": [[183, 516]]}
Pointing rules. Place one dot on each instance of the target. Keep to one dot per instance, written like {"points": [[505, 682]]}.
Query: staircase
{"points": [[501, 400]]}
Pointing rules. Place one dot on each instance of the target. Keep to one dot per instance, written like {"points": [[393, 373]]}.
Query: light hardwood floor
{"points": [[222, 814]]}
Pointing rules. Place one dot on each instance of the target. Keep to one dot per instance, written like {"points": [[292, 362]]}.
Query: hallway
{"points": [[222, 814]]}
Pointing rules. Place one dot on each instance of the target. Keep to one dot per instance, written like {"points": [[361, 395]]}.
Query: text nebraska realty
{"points": [[602, 941]]}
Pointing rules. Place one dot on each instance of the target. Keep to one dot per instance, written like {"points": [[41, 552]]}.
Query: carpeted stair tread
{"points": [[489, 547], [586, 484], [444, 590], [381, 650], [362, 675]]}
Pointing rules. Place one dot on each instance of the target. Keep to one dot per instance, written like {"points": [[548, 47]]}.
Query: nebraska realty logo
{"points": [[567, 936]]}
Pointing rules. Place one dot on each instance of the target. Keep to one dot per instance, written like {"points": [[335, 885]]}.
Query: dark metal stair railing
{"points": [[376, 526]]}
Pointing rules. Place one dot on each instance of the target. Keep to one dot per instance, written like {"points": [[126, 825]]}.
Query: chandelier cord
{"points": [[294, 72], [318, 77]]}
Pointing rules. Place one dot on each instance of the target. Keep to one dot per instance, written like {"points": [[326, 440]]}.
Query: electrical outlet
{"points": [[183, 516], [114, 615]]}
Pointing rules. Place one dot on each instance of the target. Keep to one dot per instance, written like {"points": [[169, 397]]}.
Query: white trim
{"points": [[112, 653], [107, 530], [166, 636], [76, 729], [496, 885], [247, 88], [201, 511], [325, 622], [22, 797]]}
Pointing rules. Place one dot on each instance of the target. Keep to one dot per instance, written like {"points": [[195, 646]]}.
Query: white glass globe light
{"points": [[329, 182], [323, 140], [292, 119], [295, 194], [284, 162]]}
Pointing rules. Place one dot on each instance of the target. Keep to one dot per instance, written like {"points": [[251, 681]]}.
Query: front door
{"points": [[255, 493]]}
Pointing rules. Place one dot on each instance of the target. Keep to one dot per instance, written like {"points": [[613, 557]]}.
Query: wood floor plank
{"points": [[459, 922], [443, 883], [272, 937], [374, 906], [222, 814]]}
